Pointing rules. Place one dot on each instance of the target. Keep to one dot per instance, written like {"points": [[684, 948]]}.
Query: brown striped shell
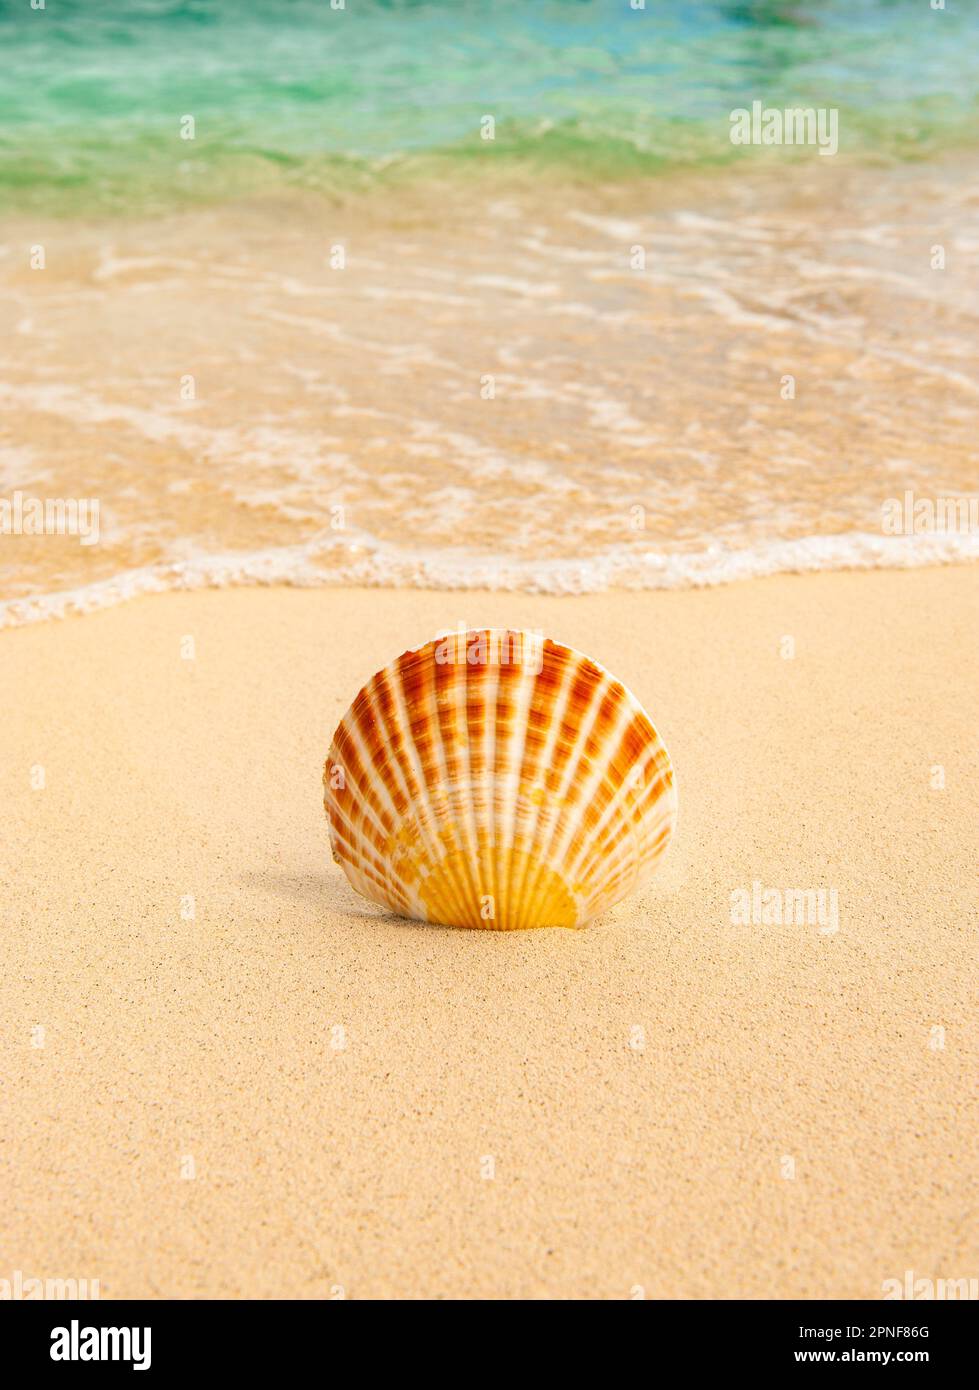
{"points": [[497, 779]]}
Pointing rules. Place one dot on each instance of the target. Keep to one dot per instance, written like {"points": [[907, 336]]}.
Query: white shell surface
{"points": [[497, 779]]}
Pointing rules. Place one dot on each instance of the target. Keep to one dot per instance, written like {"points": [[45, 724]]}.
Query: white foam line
{"points": [[383, 565]]}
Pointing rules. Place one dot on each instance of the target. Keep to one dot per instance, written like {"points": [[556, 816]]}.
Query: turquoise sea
{"points": [[339, 336], [314, 94]]}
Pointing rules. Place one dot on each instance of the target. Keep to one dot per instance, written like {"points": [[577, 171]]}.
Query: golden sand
{"points": [[225, 1074]]}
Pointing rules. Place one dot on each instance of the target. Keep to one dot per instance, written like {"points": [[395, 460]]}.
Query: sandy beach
{"points": [[434, 413], [226, 1075]]}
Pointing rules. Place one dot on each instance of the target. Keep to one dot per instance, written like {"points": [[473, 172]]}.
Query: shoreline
{"points": [[854, 553], [250, 1082], [309, 398], [155, 182]]}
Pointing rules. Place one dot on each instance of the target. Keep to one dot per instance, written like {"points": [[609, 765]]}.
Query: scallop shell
{"points": [[497, 779]]}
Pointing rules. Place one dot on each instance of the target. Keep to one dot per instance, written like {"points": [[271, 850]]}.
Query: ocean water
{"points": [[340, 336], [296, 93]]}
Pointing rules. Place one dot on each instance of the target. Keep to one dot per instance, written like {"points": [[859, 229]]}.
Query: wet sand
{"points": [[502, 384]]}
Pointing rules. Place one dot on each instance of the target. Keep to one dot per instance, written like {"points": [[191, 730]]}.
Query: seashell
{"points": [[496, 779]]}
